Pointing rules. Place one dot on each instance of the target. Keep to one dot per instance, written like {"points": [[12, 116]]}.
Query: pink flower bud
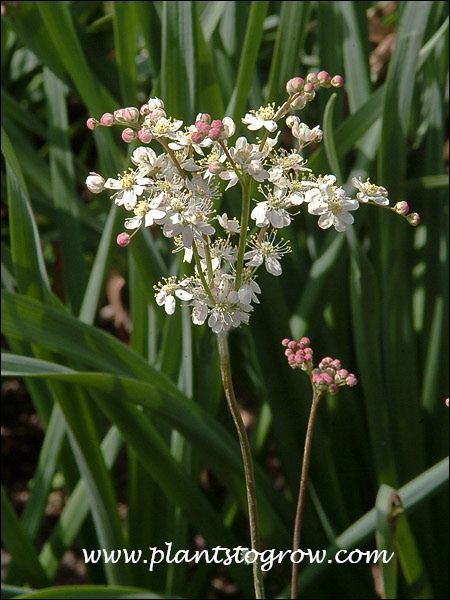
{"points": [[295, 85], [413, 219], [215, 167], [107, 120], [202, 127], [312, 79], [95, 183], [130, 114], [128, 135], [144, 110], [157, 113], [299, 102], [204, 117], [155, 103], [402, 208], [324, 79], [214, 133], [285, 341], [309, 88], [305, 342], [197, 137], [351, 380], [217, 124], [337, 81], [92, 123], [333, 389], [145, 135], [308, 355], [123, 239]]}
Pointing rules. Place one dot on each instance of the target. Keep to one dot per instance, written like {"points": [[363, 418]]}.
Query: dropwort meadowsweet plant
{"points": [[178, 188]]}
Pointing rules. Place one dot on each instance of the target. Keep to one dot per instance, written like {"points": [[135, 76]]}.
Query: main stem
{"points": [[302, 490], [225, 370]]}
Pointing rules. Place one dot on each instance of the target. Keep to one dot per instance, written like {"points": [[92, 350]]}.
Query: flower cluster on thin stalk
{"points": [[177, 190], [327, 377]]}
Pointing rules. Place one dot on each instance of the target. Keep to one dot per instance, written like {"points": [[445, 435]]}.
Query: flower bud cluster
{"points": [[302, 91], [327, 377]]}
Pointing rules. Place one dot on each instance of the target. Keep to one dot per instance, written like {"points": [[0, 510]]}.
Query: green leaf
{"points": [[79, 592], [19, 545], [249, 54], [290, 38]]}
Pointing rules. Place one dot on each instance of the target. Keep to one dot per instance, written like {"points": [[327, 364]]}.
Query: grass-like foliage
{"points": [[140, 400]]}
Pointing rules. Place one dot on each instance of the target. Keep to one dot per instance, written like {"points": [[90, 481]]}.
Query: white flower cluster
{"points": [[178, 189]]}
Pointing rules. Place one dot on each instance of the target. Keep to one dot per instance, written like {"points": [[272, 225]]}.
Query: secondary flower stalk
{"points": [[325, 379]]}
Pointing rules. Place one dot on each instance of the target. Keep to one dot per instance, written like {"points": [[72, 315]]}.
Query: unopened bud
{"points": [[413, 219], [402, 208], [197, 137], [351, 380], [92, 123], [312, 78], [214, 133], [215, 167], [292, 121], [337, 81], [324, 79], [155, 103], [295, 85], [144, 110], [157, 113], [95, 183], [204, 117], [130, 114], [145, 135], [202, 126], [128, 135], [107, 120], [123, 239], [299, 102]]}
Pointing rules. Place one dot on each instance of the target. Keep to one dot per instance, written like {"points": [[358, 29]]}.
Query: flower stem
{"points": [[246, 189], [200, 272], [225, 370], [302, 490]]}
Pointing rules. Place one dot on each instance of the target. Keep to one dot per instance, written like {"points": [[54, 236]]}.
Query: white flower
{"points": [[230, 225], [163, 127], [263, 117], [267, 251], [148, 162], [188, 216], [228, 311], [305, 135], [131, 185], [332, 205], [167, 292], [369, 192], [183, 140], [248, 159], [248, 290], [146, 211], [273, 210]]}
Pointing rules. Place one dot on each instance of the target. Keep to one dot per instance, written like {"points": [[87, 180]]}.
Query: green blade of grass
{"points": [[19, 545]]}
